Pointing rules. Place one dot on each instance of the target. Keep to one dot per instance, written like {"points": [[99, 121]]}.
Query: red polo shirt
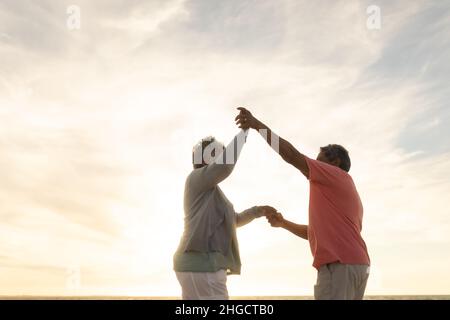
{"points": [[335, 216]]}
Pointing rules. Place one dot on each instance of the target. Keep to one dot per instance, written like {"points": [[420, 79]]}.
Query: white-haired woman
{"points": [[208, 249]]}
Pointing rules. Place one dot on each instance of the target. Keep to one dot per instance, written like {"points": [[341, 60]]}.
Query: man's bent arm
{"points": [[299, 230]]}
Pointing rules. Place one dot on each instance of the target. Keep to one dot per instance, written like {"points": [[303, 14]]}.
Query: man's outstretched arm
{"points": [[286, 150], [277, 221]]}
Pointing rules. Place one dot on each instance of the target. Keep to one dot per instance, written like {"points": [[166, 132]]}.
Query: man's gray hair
{"points": [[333, 151]]}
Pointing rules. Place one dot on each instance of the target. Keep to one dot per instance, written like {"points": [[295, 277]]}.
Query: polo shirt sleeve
{"points": [[321, 172]]}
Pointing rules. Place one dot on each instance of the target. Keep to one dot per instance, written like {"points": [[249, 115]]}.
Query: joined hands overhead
{"points": [[245, 120]]}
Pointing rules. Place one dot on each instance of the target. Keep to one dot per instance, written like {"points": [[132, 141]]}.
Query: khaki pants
{"points": [[336, 281], [203, 285]]}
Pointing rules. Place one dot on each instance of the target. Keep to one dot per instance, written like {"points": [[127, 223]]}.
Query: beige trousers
{"points": [[336, 281], [203, 285]]}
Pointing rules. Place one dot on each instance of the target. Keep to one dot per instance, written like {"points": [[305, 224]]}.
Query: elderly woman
{"points": [[208, 249]]}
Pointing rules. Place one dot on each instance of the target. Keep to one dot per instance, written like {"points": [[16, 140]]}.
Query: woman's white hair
{"points": [[203, 151]]}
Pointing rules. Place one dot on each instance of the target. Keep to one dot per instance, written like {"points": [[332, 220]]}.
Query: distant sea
{"points": [[387, 297]]}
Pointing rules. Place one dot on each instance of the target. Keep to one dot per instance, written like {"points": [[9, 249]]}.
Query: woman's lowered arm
{"points": [[249, 215]]}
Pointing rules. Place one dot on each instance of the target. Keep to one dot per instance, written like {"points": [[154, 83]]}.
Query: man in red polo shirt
{"points": [[335, 216]]}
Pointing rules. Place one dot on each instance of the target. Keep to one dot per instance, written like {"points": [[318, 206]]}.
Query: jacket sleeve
{"points": [[247, 216], [217, 171]]}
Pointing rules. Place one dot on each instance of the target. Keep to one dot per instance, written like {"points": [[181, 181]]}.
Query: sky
{"points": [[99, 116]]}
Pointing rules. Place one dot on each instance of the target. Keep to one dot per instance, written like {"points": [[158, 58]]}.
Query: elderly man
{"points": [[335, 215]]}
